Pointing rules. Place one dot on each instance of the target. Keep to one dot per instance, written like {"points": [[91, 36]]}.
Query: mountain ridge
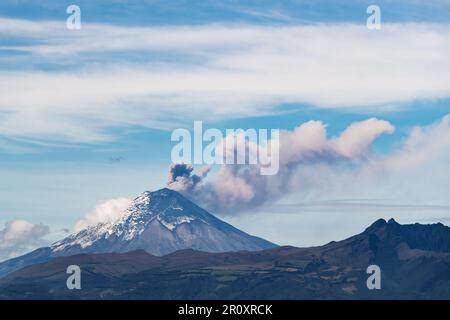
{"points": [[336, 270]]}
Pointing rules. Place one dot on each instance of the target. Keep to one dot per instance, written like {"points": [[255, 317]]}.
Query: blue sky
{"points": [[86, 115]]}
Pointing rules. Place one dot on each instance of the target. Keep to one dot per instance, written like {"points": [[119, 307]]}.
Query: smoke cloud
{"points": [[182, 178], [309, 160]]}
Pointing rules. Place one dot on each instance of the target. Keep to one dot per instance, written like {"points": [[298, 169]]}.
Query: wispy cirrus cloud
{"points": [[211, 72]]}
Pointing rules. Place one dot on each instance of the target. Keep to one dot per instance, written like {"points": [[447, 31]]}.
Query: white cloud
{"points": [[415, 172], [218, 72], [423, 145], [355, 140], [106, 211], [20, 236]]}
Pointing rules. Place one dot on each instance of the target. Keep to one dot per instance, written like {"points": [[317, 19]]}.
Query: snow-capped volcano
{"points": [[160, 222]]}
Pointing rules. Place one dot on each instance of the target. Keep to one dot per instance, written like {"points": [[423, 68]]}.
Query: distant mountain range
{"points": [[158, 222], [414, 260]]}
